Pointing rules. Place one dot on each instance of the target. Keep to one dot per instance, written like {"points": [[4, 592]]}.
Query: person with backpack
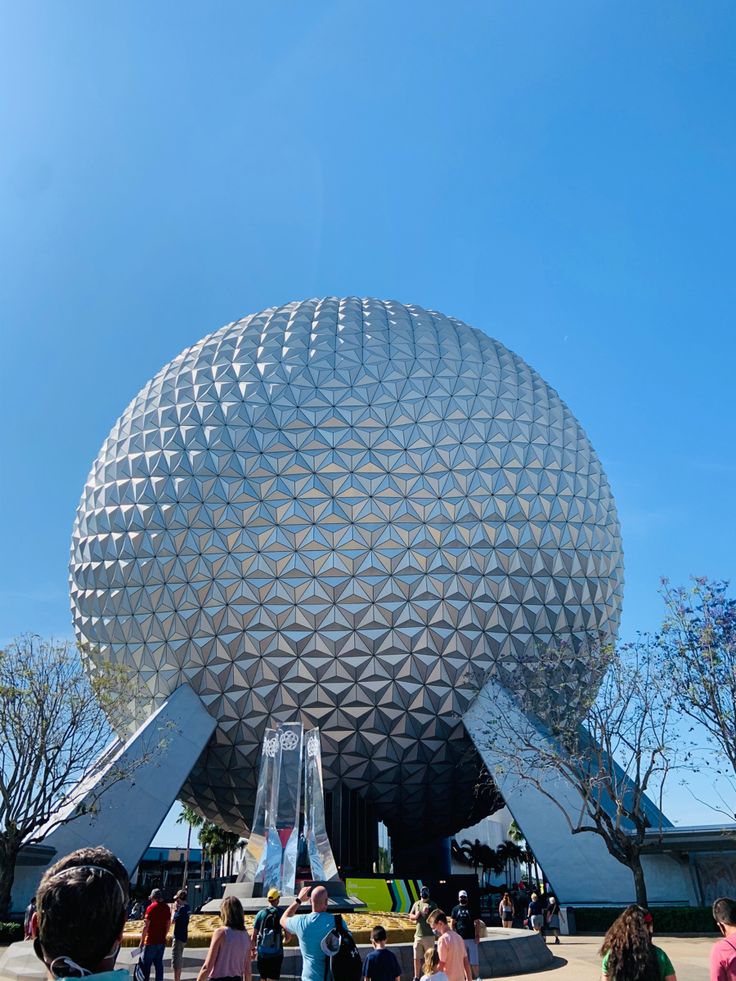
{"points": [[312, 929], [268, 938]]}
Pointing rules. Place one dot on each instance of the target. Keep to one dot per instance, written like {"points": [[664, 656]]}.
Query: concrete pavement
{"points": [[576, 958]]}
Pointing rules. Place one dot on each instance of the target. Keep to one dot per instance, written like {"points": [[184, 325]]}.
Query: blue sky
{"points": [[560, 175]]}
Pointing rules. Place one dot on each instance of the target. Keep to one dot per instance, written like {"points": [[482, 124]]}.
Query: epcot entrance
{"points": [[333, 513]]}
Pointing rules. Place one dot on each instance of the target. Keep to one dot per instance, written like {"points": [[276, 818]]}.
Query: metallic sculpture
{"points": [[321, 859], [351, 513], [271, 853]]}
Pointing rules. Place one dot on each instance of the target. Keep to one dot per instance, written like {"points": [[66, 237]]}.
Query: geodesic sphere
{"points": [[335, 511]]}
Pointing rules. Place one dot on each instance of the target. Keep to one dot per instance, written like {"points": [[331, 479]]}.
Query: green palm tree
{"points": [[189, 817], [473, 852], [515, 833], [217, 841]]}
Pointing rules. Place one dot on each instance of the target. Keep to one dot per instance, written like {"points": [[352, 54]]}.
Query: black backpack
{"points": [[342, 962], [270, 941]]}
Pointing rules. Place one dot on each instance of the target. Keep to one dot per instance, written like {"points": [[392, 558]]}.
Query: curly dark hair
{"points": [[628, 944]]}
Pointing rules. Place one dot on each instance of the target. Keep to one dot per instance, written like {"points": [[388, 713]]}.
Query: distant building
{"points": [[163, 868]]}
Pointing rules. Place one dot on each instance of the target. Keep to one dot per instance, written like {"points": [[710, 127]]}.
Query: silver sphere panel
{"points": [[339, 511]]}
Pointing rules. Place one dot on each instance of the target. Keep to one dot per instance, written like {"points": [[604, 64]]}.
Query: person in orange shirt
{"points": [[450, 948]]}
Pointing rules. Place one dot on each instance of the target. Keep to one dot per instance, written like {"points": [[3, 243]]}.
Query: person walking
{"points": [[465, 921], [153, 937], [310, 929], [628, 952], [423, 936], [181, 932], [723, 951], [453, 959], [506, 910], [267, 943], [552, 917], [228, 958], [78, 923], [535, 914]]}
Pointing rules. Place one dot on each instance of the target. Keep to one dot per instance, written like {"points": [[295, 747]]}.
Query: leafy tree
{"points": [[473, 852], [489, 861], [54, 720], [624, 748], [509, 854], [698, 641], [217, 841], [515, 833], [192, 819]]}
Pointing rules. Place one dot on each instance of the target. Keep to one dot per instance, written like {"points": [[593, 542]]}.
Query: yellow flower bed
{"points": [[398, 926]]}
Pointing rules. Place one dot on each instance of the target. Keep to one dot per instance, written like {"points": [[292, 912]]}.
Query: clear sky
{"points": [[559, 174]]}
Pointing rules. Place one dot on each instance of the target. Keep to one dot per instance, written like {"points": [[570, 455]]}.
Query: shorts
{"points": [[471, 949], [270, 967], [177, 953], [422, 945], [537, 921]]}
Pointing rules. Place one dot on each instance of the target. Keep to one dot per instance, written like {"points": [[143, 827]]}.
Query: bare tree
{"points": [[613, 747], [698, 642], [54, 721]]}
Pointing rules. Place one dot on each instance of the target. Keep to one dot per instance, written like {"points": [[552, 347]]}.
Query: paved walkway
{"points": [[576, 958]]}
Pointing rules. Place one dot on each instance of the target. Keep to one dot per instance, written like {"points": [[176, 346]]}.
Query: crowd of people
{"points": [[82, 904]]}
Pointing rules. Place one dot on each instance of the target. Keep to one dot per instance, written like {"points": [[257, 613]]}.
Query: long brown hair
{"points": [[628, 944], [231, 913]]}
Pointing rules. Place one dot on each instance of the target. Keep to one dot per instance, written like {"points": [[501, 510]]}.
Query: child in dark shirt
{"points": [[381, 964]]}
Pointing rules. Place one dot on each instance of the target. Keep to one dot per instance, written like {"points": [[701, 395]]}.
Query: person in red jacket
{"points": [[153, 938]]}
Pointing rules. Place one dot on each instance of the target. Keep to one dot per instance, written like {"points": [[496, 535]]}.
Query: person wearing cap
{"points": [[268, 938], [423, 936], [153, 937], [181, 932], [466, 922], [552, 917], [81, 905]]}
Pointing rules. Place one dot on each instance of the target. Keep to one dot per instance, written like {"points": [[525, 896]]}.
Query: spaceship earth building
{"points": [[344, 511]]}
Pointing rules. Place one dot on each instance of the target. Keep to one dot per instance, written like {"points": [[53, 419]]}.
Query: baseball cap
{"points": [[273, 894], [462, 894]]}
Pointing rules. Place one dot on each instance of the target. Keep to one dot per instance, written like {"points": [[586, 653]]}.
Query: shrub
{"points": [[667, 919], [10, 932]]}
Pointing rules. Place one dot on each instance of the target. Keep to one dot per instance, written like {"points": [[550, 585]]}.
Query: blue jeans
{"points": [[153, 956]]}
